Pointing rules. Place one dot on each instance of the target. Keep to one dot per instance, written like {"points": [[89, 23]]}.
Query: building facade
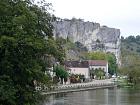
{"points": [[84, 67], [78, 67], [99, 64]]}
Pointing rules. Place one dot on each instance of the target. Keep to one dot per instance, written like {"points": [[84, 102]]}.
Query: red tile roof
{"points": [[97, 62]]}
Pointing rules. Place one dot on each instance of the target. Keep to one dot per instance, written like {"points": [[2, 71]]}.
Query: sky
{"points": [[121, 14]]}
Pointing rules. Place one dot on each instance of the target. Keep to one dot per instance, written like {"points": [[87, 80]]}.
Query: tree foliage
{"points": [[25, 37], [61, 72], [96, 55], [132, 69], [99, 73], [80, 46], [130, 58], [112, 64]]}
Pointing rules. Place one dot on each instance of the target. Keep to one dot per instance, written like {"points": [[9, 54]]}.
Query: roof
{"points": [[77, 64], [97, 62]]}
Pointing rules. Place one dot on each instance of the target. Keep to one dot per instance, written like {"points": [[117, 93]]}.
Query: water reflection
{"points": [[111, 96]]}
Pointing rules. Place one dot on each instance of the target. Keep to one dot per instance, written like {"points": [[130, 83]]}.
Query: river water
{"points": [[112, 96]]}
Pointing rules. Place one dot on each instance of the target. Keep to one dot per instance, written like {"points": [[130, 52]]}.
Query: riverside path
{"points": [[95, 84]]}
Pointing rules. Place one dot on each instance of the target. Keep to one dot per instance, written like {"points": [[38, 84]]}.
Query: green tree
{"points": [[61, 73], [60, 42], [131, 68], [80, 46], [24, 28], [110, 57], [55, 49], [99, 73], [112, 65], [96, 55]]}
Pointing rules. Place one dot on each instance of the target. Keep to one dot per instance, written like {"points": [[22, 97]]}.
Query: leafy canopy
{"points": [[25, 37], [112, 64]]}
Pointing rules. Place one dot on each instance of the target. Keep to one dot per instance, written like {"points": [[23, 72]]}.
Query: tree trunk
{"points": [[61, 80]]}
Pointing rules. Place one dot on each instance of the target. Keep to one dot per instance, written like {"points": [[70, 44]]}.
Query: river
{"points": [[112, 96]]}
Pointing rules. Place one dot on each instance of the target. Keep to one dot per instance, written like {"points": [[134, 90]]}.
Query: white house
{"points": [[96, 64], [78, 67]]}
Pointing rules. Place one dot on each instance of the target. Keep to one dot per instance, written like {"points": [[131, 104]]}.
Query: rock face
{"points": [[90, 34]]}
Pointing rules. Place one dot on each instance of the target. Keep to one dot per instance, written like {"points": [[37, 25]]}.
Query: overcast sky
{"points": [[122, 14]]}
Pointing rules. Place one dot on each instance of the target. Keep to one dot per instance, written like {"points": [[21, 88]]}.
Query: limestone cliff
{"points": [[88, 33]]}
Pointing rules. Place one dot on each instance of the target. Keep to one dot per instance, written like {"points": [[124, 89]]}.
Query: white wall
{"points": [[102, 67], [83, 71]]}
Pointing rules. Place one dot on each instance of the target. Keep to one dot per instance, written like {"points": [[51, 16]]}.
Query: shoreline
{"points": [[77, 90], [98, 84]]}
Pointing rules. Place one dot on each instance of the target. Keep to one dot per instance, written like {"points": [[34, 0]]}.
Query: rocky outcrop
{"points": [[88, 33]]}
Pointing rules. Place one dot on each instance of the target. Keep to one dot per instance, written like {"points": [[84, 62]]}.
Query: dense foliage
{"points": [[130, 45], [131, 58], [112, 64], [61, 73], [96, 55], [71, 50], [25, 38], [97, 73]]}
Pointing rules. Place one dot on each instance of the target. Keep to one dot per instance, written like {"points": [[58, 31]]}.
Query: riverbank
{"points": [[95, 84]]}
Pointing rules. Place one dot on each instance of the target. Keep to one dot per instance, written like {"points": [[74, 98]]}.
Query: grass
{"points": [[123, 83]]}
